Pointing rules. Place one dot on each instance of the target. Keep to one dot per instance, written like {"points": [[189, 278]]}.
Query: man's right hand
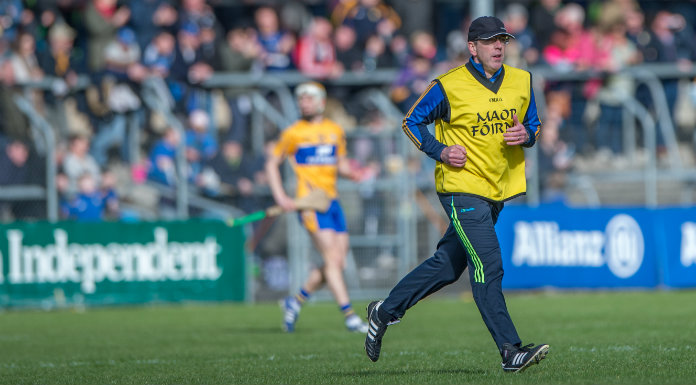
{"points": [[454, 155], [287, 203]]}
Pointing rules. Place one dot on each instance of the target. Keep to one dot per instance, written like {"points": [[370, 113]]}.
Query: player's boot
{"points": [[373, 340], [518, 359], [291, 310], [355, 324]]}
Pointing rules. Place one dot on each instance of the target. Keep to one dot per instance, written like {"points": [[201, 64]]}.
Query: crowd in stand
{"points": [[177, 45]]}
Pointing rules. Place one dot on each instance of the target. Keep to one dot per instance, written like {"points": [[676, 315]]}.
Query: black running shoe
{"points": [[518, 359], [373, 341]]}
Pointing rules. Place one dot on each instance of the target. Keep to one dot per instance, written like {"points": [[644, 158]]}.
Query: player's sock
{"points": [[353, 322], [347, 310], [302, 296]]}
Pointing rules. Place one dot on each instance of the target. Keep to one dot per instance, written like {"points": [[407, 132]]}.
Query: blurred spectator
{"points": [[121, 55], [573, 48], [347, 52], [25, 65], [197, 12], [559, 53], [581, 47], [523, 48], [375, 54], [18, 166], [10, 18], [635, 28], [43, 16], [423, 44], [163, 158], [159, 54], [233, 175], [451, 16], [190, 68], [295, 15], [542, 20], [102, 20], [201, 144], [367, 17], [399, 50], [240, 51], [417, 15], [315, 52], [277, 45], [77, 162], [62, 59], [669, 44], [91, 203], [555, 156], [150, 17], [123, 73], [457, 52], [209, 40], [187, 50], [112, 128], [13, 122], [411, 82], [616, 53], [164, 169]]}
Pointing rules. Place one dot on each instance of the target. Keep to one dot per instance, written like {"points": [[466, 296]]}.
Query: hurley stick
{"points": [[316, 200]]}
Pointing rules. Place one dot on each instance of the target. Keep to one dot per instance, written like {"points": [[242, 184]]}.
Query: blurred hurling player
{"points": [[316, 149]]}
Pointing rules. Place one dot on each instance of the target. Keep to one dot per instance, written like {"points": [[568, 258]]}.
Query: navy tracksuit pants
{"points": [[470, 240]]}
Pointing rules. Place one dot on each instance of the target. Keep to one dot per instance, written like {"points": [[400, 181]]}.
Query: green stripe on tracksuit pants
{"points": [[470, 240]]}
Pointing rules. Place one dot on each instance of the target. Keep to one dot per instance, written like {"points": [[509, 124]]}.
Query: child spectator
{"points": [[90, 204]]}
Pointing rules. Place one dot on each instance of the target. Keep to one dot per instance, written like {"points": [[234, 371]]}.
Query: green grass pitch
{"points": [[595, 337]]}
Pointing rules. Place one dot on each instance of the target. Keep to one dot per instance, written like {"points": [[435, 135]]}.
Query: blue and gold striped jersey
{"points": [[313, 150]]}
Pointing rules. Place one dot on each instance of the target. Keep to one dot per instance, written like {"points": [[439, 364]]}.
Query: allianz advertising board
{"points": [[65, 263], [558, 246]]}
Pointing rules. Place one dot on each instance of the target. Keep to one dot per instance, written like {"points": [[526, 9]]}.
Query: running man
{"points": [[484, 113]]}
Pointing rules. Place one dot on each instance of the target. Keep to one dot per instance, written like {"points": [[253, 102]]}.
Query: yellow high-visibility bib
{"points": [[478, 118]]}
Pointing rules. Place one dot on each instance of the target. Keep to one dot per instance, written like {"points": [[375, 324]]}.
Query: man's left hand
{"points": [[516, 134]]}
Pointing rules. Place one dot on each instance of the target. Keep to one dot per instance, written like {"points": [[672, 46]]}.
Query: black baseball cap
{"points": [[486, 27]]}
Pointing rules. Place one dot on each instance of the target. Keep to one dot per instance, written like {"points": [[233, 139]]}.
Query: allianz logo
{"points": [[620, 246]]}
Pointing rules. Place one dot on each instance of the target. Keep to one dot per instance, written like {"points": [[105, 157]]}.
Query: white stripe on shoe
{"points": [[519, 358]]}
